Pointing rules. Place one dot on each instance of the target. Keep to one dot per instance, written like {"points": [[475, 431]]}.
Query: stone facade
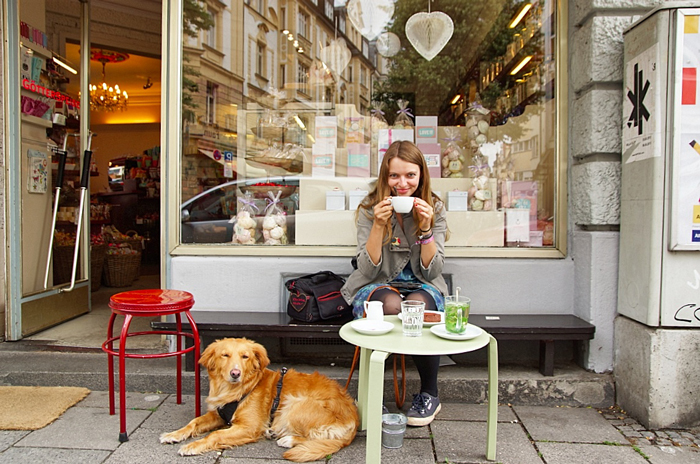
{"points": [[595, 96], [646, 360]]}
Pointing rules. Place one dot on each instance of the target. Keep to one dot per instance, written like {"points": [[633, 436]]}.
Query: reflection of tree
{"points": [[195, 18], [432, 81]]}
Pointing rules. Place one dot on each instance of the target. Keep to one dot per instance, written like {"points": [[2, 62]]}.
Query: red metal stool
{"points": [[149, 303]]}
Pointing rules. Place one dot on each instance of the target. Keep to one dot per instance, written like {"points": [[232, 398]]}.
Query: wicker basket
{"points": [[134, 243], [120, 270], [97, 260]]}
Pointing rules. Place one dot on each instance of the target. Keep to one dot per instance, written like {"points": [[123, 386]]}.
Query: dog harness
{"points": [[227, 411], [276, 402]]}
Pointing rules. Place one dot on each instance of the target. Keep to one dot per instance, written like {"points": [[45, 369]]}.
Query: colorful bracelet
{"points": [[425, 241]]}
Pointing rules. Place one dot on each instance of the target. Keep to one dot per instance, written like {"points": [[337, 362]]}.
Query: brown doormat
{"points": [[31, 408]]}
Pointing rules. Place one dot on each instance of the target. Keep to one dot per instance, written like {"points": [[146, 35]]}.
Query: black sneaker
{"points": [[423, 410]]}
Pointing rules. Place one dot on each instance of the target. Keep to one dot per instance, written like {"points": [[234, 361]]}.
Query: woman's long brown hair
{"points": [[409, 152]]}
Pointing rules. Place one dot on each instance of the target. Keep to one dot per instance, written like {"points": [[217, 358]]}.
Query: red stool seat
{"points": [[149, 303]]}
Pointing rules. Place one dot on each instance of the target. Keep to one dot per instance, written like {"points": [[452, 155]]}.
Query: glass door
{"points": [[48, 280]]}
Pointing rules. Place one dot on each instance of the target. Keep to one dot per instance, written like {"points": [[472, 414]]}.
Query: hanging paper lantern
{"points": [[388, 44], [336, 55], [370, 17], [429, 32]]}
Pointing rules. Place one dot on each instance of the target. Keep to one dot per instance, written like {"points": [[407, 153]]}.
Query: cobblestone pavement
{"points": [[638, 435]]}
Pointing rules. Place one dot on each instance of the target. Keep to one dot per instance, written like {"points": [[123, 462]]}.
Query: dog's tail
{"points": [[314, 450]]}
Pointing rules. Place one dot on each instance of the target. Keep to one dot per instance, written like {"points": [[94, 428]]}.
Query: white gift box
{"points": [[355, 197], [335, 200], [457, 200]]}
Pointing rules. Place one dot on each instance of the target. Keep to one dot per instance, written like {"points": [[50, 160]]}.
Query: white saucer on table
{"points": [[430, 324], [471, 332], [370, 327]]}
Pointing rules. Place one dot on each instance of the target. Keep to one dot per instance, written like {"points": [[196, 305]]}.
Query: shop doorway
{"points": [[66, 61]]}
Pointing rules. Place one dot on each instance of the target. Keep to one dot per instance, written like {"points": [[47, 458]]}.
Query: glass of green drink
{"points": [[456, 313]]}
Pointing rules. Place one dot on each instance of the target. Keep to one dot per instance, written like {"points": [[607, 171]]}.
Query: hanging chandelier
{"points": [[106, 97]]}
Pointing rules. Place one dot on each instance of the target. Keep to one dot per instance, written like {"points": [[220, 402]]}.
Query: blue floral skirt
{"points": [[406, 275]]}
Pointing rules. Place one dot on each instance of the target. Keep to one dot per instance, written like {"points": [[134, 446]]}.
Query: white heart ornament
{"points": [[429, 32], [370, 17], [336, 56], [388, 44]]}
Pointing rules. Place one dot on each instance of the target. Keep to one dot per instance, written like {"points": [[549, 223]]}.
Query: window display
{"points": [[280, 158]]}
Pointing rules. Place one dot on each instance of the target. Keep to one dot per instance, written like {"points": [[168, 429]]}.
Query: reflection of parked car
{"points": [[206, 217]]}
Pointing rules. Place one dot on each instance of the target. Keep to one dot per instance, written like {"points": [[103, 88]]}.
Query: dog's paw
{"points": [[270, 434], [286, 442], [190, 449], [169, 438]]}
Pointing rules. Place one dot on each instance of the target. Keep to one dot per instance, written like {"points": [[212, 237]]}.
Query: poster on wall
{"points": [[641, 108], [38, 171], [685, 215]]}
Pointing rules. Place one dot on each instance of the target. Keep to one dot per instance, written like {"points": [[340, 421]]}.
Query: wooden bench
{"points": [[544, 328]]}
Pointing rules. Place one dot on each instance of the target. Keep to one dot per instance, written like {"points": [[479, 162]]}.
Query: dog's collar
{"points": [[276, 402]]}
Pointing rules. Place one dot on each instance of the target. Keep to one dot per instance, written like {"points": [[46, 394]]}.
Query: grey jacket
{"points": [[394, 257]]}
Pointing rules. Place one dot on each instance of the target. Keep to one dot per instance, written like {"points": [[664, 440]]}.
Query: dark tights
{"points": [[427, 366]]}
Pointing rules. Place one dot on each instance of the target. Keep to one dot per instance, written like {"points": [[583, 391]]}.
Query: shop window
{"points": [[483, 110]]}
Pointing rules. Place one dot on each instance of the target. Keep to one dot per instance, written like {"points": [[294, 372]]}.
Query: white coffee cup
{"points": [[402, 204], [374, 310]]}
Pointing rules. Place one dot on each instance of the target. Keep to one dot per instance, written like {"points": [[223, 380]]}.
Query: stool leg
{"points": [[195, 356], [122, 379], [110, 363], [178, 348]]}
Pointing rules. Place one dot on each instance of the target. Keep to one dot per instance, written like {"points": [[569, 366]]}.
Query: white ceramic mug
{"points": [[402, 204], [374, 310]]}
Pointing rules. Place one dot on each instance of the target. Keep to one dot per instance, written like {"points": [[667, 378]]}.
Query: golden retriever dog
{"points": [[315, 417]]}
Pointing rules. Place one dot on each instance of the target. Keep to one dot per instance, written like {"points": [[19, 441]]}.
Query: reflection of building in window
{"points": [[260, 59], [303, 24], [283, 76], [211, 33], [303, 78], [341, 24], [329, 9], [211, 103]]}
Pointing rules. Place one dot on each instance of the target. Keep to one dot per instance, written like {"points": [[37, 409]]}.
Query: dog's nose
{"points": [[235, 373]]}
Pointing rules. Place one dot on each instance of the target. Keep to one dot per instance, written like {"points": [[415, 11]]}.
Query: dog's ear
{"points": [[207, 357], [260, 354]]}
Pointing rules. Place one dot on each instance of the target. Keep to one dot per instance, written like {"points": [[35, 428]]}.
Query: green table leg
{"points": [[373, 452], [492, 420], [362, 386]]}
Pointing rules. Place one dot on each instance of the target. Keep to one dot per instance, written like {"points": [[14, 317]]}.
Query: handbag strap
{"points": [[399, 391]]}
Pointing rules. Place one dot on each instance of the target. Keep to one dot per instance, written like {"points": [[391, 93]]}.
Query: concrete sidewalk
{"points": [[86, 433]]}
